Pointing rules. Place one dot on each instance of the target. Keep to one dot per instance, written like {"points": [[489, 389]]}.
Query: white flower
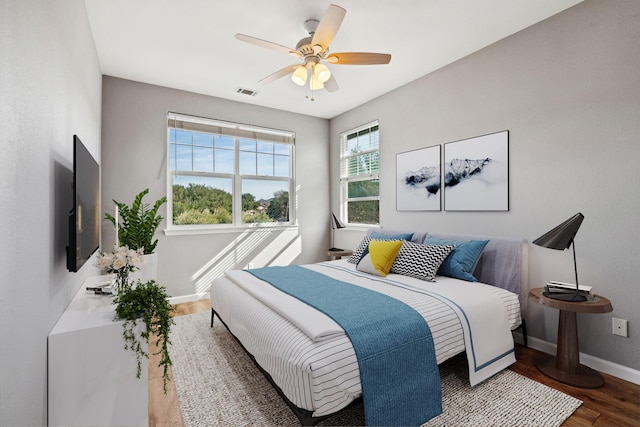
{"points": [[135, 258], [119, 262], [104, 261]]}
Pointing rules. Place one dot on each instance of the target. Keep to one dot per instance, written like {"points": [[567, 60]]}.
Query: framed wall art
{"points": [[418, 180], [476, 173]]}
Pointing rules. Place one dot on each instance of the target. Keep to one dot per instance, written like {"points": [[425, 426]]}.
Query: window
{"points": [[224, 174], [359, 174]]}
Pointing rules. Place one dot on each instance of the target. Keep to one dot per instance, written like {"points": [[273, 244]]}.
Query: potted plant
{"points": [[138, 301], [135, 227], [146, 302], [139, 223]]}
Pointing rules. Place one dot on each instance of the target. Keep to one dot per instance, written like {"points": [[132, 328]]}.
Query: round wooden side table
{"points": [[565, 366]]}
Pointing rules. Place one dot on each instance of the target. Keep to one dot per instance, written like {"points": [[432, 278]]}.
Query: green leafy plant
{"points": [[139, 223], [147, 303]]}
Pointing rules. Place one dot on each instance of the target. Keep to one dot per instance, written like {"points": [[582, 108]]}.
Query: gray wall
{"points": [[568, 91], [134, 148], [50, 88]]}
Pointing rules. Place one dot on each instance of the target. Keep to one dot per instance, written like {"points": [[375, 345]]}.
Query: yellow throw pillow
{"points": [[379, 256]]}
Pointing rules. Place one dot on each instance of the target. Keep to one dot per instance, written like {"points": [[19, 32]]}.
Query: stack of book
{"points": [[554, 287]]}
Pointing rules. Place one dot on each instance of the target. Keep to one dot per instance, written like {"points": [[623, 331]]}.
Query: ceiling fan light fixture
{"points": [[299, 76], [315, 48], [321, 72]]}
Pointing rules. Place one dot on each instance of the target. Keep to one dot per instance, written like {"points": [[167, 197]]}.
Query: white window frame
{"points": [[237, 131], [345, 179]]}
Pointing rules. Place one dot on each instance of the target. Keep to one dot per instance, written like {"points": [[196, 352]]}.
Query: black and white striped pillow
{"points": [[357, 254], [420, 261]]}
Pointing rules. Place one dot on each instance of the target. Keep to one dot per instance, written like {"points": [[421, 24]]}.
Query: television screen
{"points": [[84, 218]]}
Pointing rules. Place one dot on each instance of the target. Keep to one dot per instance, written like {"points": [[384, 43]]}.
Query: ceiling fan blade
{"points": [[331, 85], [266, 44], [328, 26], [359, 58], [279, 74]]}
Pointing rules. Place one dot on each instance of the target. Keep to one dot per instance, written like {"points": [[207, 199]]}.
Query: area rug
{"points": [[218, 385]]}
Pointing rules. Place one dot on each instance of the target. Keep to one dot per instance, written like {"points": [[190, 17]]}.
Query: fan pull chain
{"points": [[307, 96]]}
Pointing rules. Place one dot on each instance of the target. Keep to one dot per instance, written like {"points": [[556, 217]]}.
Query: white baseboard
{"points": [[598, 364], [188, 298]]}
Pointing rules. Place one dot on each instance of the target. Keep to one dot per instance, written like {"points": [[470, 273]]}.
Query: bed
{"points": [[310, 359]]}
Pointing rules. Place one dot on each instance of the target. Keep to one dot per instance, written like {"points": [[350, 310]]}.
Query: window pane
{"points": [[265, 201], [368, 163], [224, 161], [281, 166], [202, 200], [172, 156], [202, 159], [172, 135], [282, 149], [375, 138], [364, 140], [248, 144], [265, 164], [363, 164], [183, 137], [247, 163], [352, 144], [227, 142], [183, 158], [363, 189], [265, 147], [365, 212], [203, 139], [368, 139]]}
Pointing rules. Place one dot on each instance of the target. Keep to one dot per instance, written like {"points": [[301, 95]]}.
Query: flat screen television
{"points": [[84, 218]]}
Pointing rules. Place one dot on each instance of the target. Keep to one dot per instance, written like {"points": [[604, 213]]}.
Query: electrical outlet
{"points": [[620, 327]]}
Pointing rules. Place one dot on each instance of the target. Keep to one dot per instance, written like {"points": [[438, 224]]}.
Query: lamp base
{"points": [[336, 250], [575, 297]]}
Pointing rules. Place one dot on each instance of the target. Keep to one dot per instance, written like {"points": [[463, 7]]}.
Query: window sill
{"points": [[224, 230], [361, 226]]}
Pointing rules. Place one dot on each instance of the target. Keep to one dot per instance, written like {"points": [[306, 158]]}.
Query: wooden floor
{"points": [[617, 403]]}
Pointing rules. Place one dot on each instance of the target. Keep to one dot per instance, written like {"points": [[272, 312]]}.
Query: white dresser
{"points": [[92, 378]]}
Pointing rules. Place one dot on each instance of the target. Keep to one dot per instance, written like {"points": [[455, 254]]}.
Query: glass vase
{"points": [[120, 282]]}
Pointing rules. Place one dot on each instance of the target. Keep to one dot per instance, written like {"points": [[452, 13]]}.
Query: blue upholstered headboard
{"points": [[504, 261]]}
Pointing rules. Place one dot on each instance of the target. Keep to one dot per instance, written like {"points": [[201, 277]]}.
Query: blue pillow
{"points": [[383, 236], [463, 258]]}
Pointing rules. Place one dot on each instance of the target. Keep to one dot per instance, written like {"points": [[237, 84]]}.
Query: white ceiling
{"points": [[190, 44]]}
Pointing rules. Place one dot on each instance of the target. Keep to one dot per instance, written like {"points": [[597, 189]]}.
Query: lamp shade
{"points": [[299, 76], [335, 222], [321, 72], [562, 236]]}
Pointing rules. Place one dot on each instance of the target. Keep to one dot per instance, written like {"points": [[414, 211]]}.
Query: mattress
{"points": [[321, 375]]}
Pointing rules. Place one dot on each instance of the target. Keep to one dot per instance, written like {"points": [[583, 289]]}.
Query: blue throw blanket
{"points": [[393, 344]]}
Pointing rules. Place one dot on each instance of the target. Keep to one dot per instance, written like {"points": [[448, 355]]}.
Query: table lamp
{"points": [[561, 238], [335, 223]]}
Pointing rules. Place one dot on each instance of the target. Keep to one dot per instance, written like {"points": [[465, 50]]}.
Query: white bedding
{"points": [[313, 361]]}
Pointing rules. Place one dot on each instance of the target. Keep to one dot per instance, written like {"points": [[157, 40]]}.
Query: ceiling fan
{"points": [[314, 50]]}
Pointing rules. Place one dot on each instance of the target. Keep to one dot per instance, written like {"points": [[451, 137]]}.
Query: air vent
{"points": [[246, 91]]}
